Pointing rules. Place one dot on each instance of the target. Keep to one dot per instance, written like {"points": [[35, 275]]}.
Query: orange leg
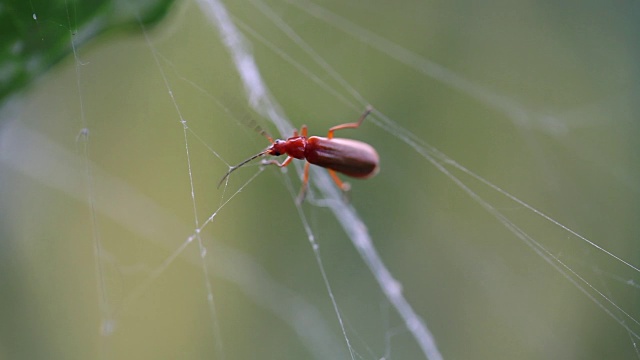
{"points": [[286, 162], [303, 129], [350, 125], [344, 186], [305, 182]]}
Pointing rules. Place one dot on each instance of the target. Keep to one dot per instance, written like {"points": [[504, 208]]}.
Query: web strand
{"points": [[106, 315], [202, 250], [518, 114], [262, 103], [133, 239]]}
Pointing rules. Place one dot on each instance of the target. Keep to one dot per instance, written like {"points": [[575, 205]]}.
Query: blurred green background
{"points": [[539, 98]]}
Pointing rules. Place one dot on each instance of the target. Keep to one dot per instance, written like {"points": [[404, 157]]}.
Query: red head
{"points": [[278, 148]]}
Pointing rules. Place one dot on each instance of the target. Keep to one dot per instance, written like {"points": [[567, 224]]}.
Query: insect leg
{"points": [[350, 125], [286, 162], [344, 186], [305, 183]]}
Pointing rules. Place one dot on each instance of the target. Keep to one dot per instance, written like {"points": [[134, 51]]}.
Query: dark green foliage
{"points": [[36, 34]]}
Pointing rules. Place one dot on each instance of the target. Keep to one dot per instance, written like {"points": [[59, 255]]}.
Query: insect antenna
{"points": [[257, 128], [233, 168], [251, 122]]}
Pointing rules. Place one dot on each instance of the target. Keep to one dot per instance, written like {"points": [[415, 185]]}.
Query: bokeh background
{"points": [[538, 98]]}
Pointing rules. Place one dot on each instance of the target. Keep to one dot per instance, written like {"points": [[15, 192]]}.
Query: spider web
{"points": [[115, 222]]}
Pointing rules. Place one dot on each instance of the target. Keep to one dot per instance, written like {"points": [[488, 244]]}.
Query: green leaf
{"points": [[36, 34]]}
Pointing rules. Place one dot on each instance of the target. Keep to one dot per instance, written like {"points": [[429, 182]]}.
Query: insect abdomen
{"points": [[350, 157]]}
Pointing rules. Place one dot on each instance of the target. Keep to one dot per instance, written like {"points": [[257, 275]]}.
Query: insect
{"points": [[350, 157]]}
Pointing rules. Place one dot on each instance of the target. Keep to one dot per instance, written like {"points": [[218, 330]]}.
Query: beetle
{"points": [[349, 157]]}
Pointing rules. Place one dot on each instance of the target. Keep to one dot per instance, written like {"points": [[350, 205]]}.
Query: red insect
{"points": [[350, 157]]}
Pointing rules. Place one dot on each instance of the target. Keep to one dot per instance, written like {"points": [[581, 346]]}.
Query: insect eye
{"points": [[276, 147]]}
